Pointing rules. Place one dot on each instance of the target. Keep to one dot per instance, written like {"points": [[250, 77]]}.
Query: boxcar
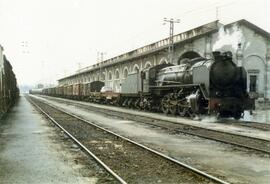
{"points": [[69, 91], [76, 91]]}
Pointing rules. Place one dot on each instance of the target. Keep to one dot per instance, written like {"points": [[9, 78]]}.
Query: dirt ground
{"points": [[32, 151]]}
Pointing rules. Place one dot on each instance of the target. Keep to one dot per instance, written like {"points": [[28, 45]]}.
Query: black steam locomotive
{"points": [[198, 86]]}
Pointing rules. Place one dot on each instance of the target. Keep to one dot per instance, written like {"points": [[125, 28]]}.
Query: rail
{"points": [[204, 174]]}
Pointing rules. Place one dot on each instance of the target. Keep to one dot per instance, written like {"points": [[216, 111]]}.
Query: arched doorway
{"points": [[188, 56]]}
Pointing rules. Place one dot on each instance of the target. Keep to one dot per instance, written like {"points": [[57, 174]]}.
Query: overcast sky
{"points": [[44, 39]]}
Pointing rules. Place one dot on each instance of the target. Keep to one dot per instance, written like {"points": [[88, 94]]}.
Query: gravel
{"points": [[227, 137], [132, 163]]}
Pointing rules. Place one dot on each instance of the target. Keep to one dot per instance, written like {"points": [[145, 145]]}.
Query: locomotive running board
{"points": [[201, 86]]}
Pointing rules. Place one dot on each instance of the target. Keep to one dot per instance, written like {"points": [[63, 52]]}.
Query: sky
{"points": [[49, 39]]}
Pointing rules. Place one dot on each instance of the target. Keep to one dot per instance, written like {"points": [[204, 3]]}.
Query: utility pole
{"points": [[217, 12], [171, 41], [100, 58], [42, 72], [79, 65]]}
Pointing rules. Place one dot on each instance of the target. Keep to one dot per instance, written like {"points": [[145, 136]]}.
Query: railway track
{"points": [[249, 124], [127, 161], [237, 123], [257, 144]]}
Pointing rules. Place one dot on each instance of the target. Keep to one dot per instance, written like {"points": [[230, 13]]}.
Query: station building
{"points": [[249, 44]]}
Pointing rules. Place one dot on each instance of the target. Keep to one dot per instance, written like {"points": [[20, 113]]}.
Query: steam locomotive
{"points": [[198, 86]]}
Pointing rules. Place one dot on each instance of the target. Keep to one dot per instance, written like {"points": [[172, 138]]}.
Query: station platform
{"points": [[27, 152]]}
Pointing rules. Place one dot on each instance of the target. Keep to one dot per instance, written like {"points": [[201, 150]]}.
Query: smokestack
{"points": [[217, 55]]}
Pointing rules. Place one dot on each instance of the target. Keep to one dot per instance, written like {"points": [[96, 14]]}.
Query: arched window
{"points": [[102, 76], [136, 69], [125, 73], [110, 75], [163, 61], [116, 74], [147, 65]]}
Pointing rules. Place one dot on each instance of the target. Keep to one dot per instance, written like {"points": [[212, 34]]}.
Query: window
{"points": [[116, 74], [253, 83], [147, 65], [125, 73], [102, 77], [110, 75], [136, 69]]}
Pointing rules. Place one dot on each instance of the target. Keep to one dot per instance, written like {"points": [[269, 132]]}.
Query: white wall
{"points": [[254, 58]]}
